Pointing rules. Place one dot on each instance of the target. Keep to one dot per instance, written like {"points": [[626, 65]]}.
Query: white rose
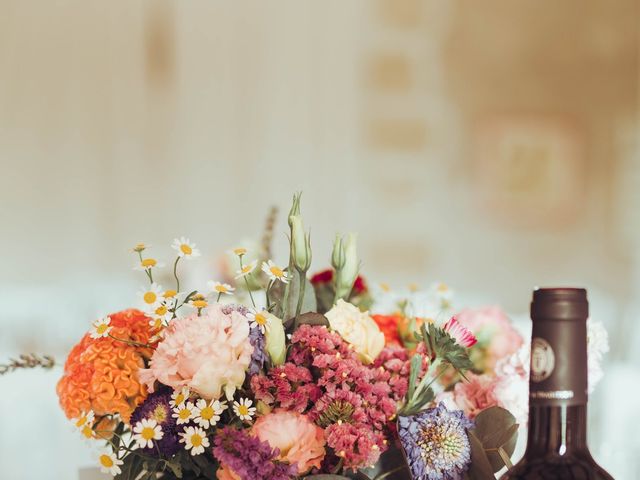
{"points": [[358, 329]]}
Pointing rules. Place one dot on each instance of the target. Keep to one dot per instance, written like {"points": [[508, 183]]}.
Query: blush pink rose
{"points": [[494, 331], [477, 394], [299, 440]]}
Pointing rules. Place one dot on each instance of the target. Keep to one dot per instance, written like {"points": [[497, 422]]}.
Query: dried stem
{"points": [[28, 360]]}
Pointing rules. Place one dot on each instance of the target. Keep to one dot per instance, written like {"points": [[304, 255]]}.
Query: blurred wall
{"points": [[492, 145]]}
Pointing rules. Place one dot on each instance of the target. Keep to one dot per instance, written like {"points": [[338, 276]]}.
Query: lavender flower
{"points": [[436, 444], [249, 458], [156, 406]]}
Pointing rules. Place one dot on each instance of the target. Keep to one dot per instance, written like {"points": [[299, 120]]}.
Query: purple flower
{"points": [[249, 458], [156, 406], [436, 444], [259, 356]]}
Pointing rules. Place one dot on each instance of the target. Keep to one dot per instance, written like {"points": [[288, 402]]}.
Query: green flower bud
{"points": [[337, 257], [300, 244], [275, 339], [346, 276], [295, 207]]}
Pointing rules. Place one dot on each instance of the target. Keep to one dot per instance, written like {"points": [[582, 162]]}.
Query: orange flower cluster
{"points": [[102, 374]]}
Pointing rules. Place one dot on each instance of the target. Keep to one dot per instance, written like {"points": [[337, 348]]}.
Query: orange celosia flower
{"points": [[389, 326], [102, 374]]}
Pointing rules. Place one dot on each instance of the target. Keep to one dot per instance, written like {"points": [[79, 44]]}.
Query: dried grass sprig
{"points": [[28, 360]]}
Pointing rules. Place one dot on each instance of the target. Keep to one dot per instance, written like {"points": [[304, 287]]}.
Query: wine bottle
{"points": [[557, 440]]}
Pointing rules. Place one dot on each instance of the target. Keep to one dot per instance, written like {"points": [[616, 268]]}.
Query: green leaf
{"points": [[480, 468], [416, 367], [176, 468], [496, 428]]}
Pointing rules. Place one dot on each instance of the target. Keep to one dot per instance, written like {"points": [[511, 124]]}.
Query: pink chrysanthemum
{"points": [[460, 333], [209, 353]]}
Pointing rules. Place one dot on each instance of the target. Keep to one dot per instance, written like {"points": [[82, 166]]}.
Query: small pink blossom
{"points": [[460, 333]]}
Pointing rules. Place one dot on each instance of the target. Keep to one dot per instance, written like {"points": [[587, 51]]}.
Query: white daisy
{"points": [[195, 439], [183, 413], [146, 431], [178, 397], [101, 328], [240, 251], [246, 269], [151, 297], [244, 410], [274, 272], [259, 319], [109, 463], [208, 414], [147, 264], [85, 418], [220, 288], [185, 248]]}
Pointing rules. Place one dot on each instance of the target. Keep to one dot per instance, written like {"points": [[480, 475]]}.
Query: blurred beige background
{"points": [[492, 145]]}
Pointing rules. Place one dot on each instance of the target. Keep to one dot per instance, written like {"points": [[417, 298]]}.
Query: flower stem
{"points": [[303, 284], [175, 274], [246, 282], [130, 342]]}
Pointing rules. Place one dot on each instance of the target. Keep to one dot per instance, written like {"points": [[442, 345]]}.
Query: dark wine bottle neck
{"points": [[557, 429]]}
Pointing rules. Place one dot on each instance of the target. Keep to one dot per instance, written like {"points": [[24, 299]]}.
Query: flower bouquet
{"points": [[275, 374]]}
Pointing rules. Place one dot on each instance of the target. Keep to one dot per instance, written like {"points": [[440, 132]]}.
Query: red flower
{"points": [[326, 276]]}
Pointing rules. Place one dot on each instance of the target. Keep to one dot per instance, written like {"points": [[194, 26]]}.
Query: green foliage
{"points": [[277, 295], [493, 441]]}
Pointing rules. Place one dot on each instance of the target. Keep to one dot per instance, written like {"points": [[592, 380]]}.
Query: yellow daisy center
{"points": [[179, 399], [277, 271], [148, 433], [81, 421], [196, 440], [106, 461], [184, 414], [161, 310], [102, 328], [149, 262], [170, 294], [207, 413], [442, 288], [87, 431], [240, 251], [261, 319], [157, 323], [247, 268], [243, 410], [200, 303], [150, 297], [186, 249], [221, 289]]}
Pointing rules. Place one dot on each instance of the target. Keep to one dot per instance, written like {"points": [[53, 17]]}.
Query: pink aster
{"points": [[460, 333]]}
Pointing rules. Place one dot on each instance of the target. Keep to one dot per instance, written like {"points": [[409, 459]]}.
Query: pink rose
{"points": [[477, 394], [496, 335], [298, 438], [209, 353]]}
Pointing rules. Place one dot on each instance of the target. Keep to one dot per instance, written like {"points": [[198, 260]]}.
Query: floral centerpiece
{"points": [[276, 374]]}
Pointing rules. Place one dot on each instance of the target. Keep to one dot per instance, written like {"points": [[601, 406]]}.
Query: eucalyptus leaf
{"points": [[496, 428], [416, 367], [480, 468]]}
